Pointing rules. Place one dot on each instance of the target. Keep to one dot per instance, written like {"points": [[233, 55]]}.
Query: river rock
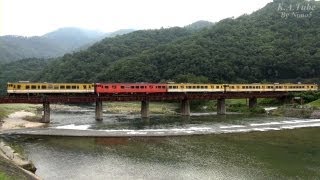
{"points": [[315, 114]]}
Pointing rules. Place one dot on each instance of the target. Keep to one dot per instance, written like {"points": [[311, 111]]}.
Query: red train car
{"points": [[126, 88]]}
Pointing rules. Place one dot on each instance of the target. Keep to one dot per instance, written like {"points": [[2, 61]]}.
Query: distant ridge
{"points": [[50, 45]]}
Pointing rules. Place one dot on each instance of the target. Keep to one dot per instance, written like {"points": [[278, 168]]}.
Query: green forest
{"points": [[265, 46]]}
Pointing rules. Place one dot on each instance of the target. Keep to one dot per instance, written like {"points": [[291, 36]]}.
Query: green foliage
{"points": [[261, 47], [94, 64], [53, 44], [23, 70], [308, 96], [191, 78], [315, 103]]}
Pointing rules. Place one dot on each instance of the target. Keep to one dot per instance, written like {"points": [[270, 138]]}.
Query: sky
{"points": [[37, 17]]}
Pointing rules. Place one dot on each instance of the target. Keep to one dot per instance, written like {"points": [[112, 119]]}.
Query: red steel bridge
{"points": [[184, 98]]}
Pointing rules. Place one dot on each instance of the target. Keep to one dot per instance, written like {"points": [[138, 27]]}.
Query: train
{"points": [[149, 88]]}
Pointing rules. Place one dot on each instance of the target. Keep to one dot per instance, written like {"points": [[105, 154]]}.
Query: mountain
{"points": [[90, 65], [276, 43], [53, 44], [72, 38], [13, 48], [199, 25]]}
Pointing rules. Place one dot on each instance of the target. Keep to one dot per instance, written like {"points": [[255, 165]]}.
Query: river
{"points": [[231, 147]]}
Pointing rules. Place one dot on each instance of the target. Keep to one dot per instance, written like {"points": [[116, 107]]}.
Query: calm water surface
{"points": [[289, 153]]}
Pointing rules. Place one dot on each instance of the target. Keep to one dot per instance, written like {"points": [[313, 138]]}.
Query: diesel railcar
{"points": [[119, 88], [48, 88], [287, 87]]}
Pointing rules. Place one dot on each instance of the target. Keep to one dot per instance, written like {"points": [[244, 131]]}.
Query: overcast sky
{"points": [[37, 17]]}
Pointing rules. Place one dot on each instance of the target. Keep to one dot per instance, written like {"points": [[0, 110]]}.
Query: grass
{"points": [[3, 176], [6, 109], [135, 107], [315, 103]]}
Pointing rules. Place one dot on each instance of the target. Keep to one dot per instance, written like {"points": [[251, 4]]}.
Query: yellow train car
{"points": [[188, 87], [246, 87], [271, 87], [48, 88], [295, 87]]}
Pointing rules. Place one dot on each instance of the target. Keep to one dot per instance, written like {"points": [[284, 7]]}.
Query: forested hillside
{"points": [[90, 65], [53, 44], [22, 70], [263, 46]]}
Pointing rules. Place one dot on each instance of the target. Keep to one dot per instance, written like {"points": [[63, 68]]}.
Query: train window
{"points": [[163, 87], [141, 87], [151, 87], [73, 87], [33, 87], [56, 87], [122, 87], [62, 87], [257, 87], [232, 87], [193, 87], [89, 86], [77, 87], [19, 86], [182, 87], [170, 87], [137, 87], [27, 87], [68, 87], [201, 87], [217, 87], [206, 87], [132, 87], [311, 86]]}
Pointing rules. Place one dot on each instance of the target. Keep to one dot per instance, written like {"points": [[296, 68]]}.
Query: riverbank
{"points": [[12, 164], [17, 120]]}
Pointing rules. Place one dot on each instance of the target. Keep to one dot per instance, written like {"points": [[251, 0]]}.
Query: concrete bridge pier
{"points": [[99, 111], [185, 107], [46, 113], [252, 102], [145, 112], [221, 106]]}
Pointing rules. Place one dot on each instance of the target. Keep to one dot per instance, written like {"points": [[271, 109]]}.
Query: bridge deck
{"points": [[137, 97]]}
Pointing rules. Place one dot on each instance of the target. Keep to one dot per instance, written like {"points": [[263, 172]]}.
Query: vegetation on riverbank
{"points": [[6, 109], [135, 107], [9, 171]]}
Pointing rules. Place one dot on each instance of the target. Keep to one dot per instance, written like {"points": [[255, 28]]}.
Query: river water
{"points": [[233, 147]]}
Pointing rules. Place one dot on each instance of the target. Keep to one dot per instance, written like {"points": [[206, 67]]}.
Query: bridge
{"points": [[183, 98]]}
